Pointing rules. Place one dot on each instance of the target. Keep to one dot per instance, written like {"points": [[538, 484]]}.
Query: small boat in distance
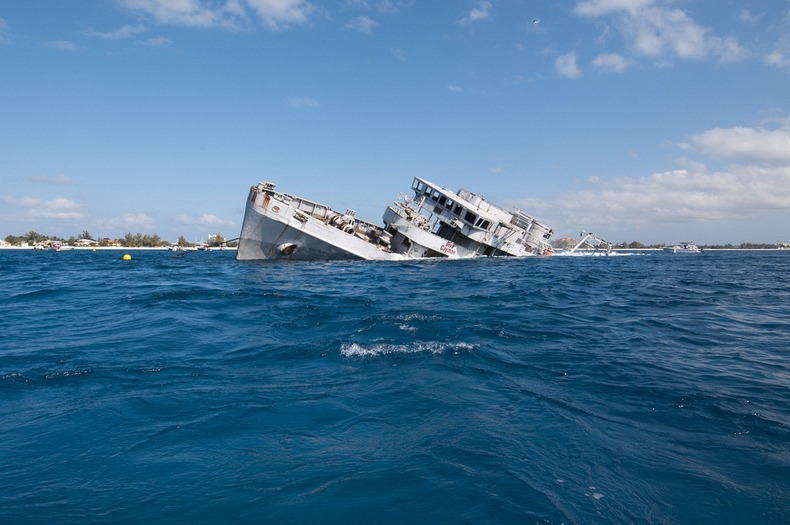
{"points": [[684, 247], [435, 222], [56, 246]]}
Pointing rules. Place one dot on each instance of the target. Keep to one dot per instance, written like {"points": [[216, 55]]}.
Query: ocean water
{"points": [[652, 388]]}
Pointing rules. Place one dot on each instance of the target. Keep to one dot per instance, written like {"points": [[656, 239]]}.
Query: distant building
{"points": [[564, 243], [85, 243]]}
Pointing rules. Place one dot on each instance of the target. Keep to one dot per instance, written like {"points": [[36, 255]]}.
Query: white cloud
{"points": [[206, 219], [122, 32], [481, 11], [566, 65], [613, 62], [24, 202], [777, 59], [673, 197], [63, 45], [280, 13], [468, 91], [275, 14], [135, 220], [398, 54], [728, 49], [240, 14], [362, 24], [60, 208], [780, 56], [126, 221], [747, 17], [657, 31], [382, 6], [159, 42], [742, 144], [31, 208], [186, 12], [757, 183], [213, 220], [393, 6], [692, 165], [522, 80], [304, 102], [5, 34], [356, 4], [602, 7]]}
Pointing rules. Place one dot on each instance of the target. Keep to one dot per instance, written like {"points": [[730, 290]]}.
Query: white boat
{"points": [[684, 247], [435, 222], [57, 246]]}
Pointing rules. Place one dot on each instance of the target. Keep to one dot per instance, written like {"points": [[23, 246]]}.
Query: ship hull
{"points": [[435, 223], [277, 229]]}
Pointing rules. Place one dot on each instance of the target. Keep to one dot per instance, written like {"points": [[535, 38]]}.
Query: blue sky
{"points": [[649, 120]]}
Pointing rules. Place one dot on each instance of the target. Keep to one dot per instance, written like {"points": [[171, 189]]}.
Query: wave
{"points": [[378, 349]]}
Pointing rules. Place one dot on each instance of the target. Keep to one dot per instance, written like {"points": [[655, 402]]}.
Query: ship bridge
{"points": [[454, 207]]}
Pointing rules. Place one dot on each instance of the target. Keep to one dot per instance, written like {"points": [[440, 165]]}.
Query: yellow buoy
{"points": [[127, 257]]}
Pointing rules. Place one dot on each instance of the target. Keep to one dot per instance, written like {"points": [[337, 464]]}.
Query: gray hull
{"points": [[295, 229]]}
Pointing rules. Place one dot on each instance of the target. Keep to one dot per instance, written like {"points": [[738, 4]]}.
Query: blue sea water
{"points": [[653, 388]]}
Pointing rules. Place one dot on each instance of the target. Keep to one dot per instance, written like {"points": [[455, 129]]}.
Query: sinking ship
{"points": [[435, 222]]}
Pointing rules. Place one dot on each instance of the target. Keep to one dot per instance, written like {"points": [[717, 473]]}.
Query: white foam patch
{"points": [[434, 347], [415, 317], [595, 495], [66, 373]]}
